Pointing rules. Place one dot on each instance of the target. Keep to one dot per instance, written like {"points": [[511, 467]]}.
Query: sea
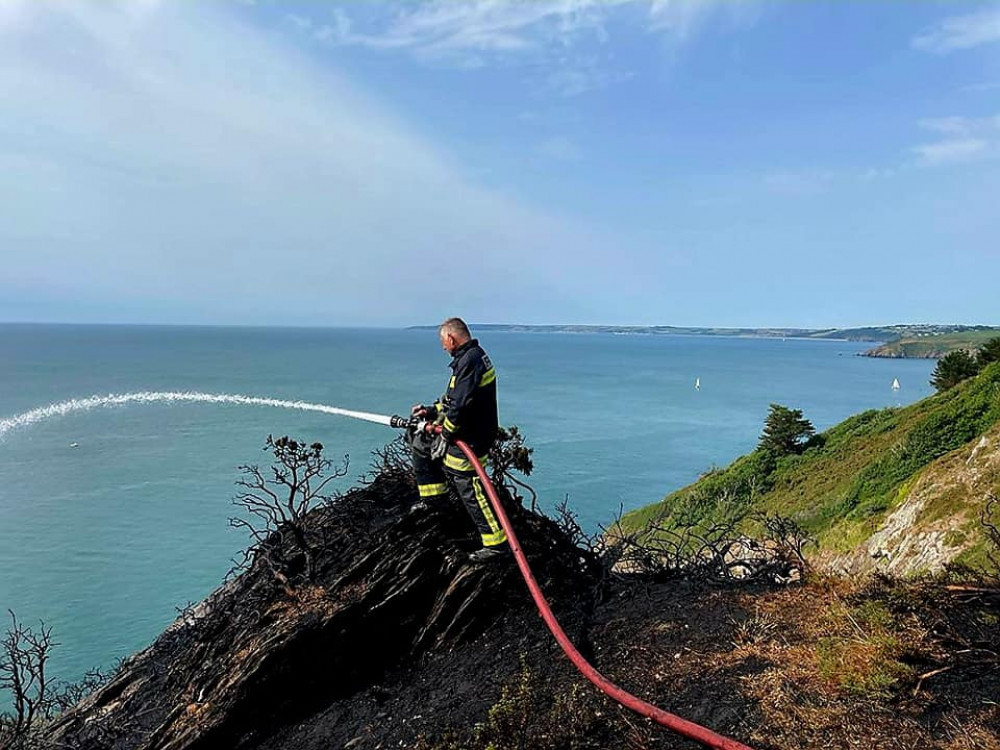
{"points": [[114, 517]]}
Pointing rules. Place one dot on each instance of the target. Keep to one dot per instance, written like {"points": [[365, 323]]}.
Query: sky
{"points": [[647, 162]]}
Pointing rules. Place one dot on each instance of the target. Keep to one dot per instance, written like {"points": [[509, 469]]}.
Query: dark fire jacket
{"points": [[469, 406]]}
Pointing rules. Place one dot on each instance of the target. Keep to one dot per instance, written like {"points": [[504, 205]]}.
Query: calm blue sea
{"points": [[104, 539]]}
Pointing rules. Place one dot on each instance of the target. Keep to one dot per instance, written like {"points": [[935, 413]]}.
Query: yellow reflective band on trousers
{"points": [[492, 540], [488, 377], [498, 535], [432, 490], [460, 463]]}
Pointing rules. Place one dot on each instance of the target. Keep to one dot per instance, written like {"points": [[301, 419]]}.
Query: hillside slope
{"points": [[897, 488]]}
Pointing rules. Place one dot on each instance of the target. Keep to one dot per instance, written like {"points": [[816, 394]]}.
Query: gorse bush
{"points": [[726, 494], [867, 423]]}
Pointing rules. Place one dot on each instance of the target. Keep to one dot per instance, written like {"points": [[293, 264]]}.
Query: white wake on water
{"points": [[148, 397]]}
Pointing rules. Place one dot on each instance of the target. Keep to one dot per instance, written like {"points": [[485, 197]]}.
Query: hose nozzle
{"points": [[400, 422]]}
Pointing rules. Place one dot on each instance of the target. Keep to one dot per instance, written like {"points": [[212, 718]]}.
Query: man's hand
{"points": [[439, 448], [419, 411]]}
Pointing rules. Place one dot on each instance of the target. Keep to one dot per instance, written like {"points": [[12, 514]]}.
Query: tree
{"points": [[785, 431], [952, 369], [280, 525], [989, 352], [24, 654]]}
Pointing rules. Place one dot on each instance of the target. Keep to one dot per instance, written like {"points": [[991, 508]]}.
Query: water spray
{"points": [[172, 397]]}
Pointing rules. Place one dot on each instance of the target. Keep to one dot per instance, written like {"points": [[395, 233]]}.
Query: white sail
{"points": [[697, 384], [895, 384]]}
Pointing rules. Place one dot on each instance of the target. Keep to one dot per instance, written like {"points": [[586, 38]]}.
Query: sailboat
{"points": [[697, 384], [895, 384]]}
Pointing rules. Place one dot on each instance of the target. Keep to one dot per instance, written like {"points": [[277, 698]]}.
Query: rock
{"points": [[391, 588], [982, 445]]}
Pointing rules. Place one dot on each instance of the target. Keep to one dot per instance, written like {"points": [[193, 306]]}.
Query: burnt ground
{"points": [[400, 643]]}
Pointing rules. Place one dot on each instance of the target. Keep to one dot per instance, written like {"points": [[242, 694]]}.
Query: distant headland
{"points": [[923, 340]]}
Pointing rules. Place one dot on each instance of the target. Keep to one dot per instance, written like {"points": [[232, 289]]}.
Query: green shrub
{"points": [[961, 418], [864, 658], [989, 352], [724, 495], [953, 368]]}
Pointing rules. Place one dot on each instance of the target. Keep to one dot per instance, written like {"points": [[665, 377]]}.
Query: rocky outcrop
{"points": [[933, 522], [393, 587]]}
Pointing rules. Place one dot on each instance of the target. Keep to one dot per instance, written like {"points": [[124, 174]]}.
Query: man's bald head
{"points": [[453, 333]]}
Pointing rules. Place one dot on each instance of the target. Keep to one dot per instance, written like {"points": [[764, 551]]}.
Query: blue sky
{"points": [[676, 162]]}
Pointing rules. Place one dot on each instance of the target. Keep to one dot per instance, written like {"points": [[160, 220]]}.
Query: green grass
{"points": [[856, 472]]}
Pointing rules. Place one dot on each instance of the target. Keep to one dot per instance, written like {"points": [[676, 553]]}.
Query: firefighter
{"points": [[467, 411]]}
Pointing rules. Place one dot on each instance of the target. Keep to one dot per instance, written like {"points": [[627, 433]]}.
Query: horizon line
{"points": [[422, 326]]}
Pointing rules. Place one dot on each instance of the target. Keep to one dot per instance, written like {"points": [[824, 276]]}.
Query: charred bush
{"points": [[277, 502], [391, 461], [568, 522], [508, 455], [718, 552], [24, 656]]}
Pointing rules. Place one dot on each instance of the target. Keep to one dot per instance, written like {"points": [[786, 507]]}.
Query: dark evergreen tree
{"points": [[785, 431], [952, 369], [989, 352]]}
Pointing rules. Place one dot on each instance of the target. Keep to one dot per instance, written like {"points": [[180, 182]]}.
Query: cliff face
{"points": [[392, 588], [937, 519]]}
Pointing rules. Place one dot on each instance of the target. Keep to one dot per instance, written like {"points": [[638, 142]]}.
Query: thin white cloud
{"points": [[564, 37], [677, 16], [961, 32], [441, 26], [962, 140], [953, 151], [300, 22], [947, 125], [560, 148], [980, 87], [876, 173], [240, 182]]}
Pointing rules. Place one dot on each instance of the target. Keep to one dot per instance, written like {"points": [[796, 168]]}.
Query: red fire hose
{"points": [[682, 726]]}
